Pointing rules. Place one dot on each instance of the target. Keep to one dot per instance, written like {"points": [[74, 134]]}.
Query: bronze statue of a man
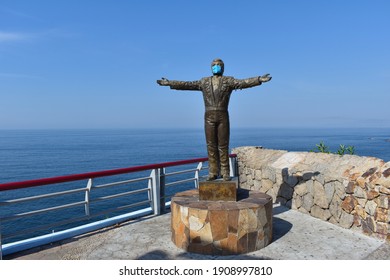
{"points": [[216, 94]]}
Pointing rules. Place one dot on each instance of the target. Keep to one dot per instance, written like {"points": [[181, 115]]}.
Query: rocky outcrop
{"points": [[349, 191]]}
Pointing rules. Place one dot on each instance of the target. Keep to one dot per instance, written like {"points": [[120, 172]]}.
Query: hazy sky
{"points": [[94, 64]]}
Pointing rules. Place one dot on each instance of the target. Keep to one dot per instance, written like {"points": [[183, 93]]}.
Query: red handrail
{"points": [[104, 173]]}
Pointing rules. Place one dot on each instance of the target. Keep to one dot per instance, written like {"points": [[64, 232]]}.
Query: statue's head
{"points": [[217, 66]]}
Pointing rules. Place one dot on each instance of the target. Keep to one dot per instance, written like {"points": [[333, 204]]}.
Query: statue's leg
{"points": [[212, 144], [223, 144]]}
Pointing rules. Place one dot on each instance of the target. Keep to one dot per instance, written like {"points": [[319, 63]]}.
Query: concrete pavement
{"points": [[296, 236]]}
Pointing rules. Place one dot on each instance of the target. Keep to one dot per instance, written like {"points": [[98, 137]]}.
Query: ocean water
{"points": [[33, 154]]}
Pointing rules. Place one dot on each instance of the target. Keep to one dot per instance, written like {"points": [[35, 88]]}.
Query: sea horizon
{"points": [[38, 153]]}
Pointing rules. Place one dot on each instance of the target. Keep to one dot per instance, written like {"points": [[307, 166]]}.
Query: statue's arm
{"points": [[251, 82], [180, 85]]}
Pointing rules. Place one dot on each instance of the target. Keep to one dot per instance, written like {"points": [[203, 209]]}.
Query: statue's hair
{"points": [[217, 60]]}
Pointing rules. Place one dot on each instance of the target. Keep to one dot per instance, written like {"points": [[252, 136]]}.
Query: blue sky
{"points": [[94, 64]]}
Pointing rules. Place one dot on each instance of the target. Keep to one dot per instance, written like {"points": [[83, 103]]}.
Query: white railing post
{"points": [[155, 186], [1, 245], [87, 192], [233, 166], [198, 169], [162, 190]]}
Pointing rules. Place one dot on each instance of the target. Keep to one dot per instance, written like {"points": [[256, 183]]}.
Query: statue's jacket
{"points": [[216, 98]]}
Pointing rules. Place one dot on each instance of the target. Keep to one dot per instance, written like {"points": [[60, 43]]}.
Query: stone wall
{"points": [[350, 191]]}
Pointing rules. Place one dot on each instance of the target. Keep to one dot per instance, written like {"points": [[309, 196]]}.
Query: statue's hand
{"points": [[265, 78], [163, 82]]}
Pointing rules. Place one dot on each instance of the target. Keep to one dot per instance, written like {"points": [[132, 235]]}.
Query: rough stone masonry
{"points": [[350, 191]]}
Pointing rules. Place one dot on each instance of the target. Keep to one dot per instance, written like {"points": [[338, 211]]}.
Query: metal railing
{"points": [[145, 194]]}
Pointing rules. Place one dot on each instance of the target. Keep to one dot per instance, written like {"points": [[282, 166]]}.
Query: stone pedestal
{"points": [[221, 227], [218, 190]]}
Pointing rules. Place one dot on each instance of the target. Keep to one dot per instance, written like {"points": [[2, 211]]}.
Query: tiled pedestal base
{"points": [[221, 227]]}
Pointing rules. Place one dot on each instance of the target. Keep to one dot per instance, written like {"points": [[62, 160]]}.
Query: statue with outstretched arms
{"points": [[216, 95]]}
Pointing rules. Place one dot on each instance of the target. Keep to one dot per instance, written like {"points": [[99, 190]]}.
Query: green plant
{"points": [[341, 150], [351, 150], [322, 148]]}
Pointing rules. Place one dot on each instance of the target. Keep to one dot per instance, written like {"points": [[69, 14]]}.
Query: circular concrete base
{"points": [[221, 227]]}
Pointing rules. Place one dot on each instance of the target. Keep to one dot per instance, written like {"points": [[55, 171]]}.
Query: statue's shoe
{"points": [[226, 178], [212, 178]]}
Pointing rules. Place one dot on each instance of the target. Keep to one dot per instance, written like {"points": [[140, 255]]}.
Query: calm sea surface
{"points": [[30, 154], [33, 154]]}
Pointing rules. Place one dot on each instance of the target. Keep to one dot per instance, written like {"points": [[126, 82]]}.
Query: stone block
{"points": [[291, 180], [349, 203], [335, 208], [296, 202], [308, 202], [384, 190], [252, 241], [218, 190], [304, 211], [332, 220], [233, 216], [301, 189], [286, 191], [346, 220], [269, 173], [382, 229], [258, 175], [359, 210], [370, 207], [357, 221], [318, 212], [361, 182], [257, 185], [383, 201], [386, 173], [381, 215], [350, 188], [368, 225], [320, 195], [219, 224], [362, 201], [359, 192], [340, 189], [372, 194], [266, 185], [329, 191]]}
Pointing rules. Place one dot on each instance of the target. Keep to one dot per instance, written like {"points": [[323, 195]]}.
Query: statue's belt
{"points": [[216, 108]]}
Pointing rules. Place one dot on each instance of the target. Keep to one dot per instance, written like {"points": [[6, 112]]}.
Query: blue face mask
{"points": [[217, 69]]}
